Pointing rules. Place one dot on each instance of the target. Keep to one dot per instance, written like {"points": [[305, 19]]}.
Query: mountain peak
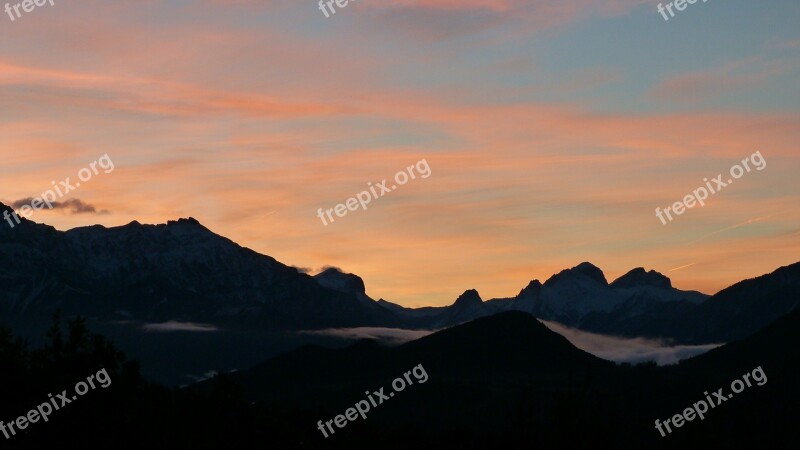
{"points": [[533, 288], [334, 278], [27, 225], [469, 297], [184, 221], [190, 222], [585, 269], [188, 227], [640, 277]]}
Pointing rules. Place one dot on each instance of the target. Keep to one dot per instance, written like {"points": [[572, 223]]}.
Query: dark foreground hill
{"points": [[500, 382], [474, 366], [506, 381]]}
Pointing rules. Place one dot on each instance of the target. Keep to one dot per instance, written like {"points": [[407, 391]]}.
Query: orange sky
{"points": [[552, 129]]}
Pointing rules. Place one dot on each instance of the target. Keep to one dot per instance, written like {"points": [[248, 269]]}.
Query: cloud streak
{"points": [[392, 336], [630, 350], [612, 348], [541, 117], [72, 206], [172, 326]]}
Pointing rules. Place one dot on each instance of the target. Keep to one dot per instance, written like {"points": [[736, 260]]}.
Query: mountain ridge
{"points": [[182, 271]]}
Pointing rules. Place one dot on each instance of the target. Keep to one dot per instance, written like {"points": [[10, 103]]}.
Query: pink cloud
{"points": [[717, 81]]}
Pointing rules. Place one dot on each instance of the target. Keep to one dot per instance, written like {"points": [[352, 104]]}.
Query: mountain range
{"points": [[496, 376], [181, 271]]}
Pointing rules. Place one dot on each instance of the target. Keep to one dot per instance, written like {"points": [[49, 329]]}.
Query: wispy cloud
{"points": [[717, 81], [536, 114], [73, 206], [682, 267], [179, 326], [393, 336], [739, 225], [632, 350]]}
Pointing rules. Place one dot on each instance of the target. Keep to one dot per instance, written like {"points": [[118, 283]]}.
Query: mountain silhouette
{"points": [[179, 271], [183, 272], [495, 375], [510, 343], [508, 380]]}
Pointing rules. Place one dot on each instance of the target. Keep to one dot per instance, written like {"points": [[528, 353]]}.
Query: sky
{"points": [[552, 130]]}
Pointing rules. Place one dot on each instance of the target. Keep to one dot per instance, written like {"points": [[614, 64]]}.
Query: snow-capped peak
{"points": [[640, 277]]}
